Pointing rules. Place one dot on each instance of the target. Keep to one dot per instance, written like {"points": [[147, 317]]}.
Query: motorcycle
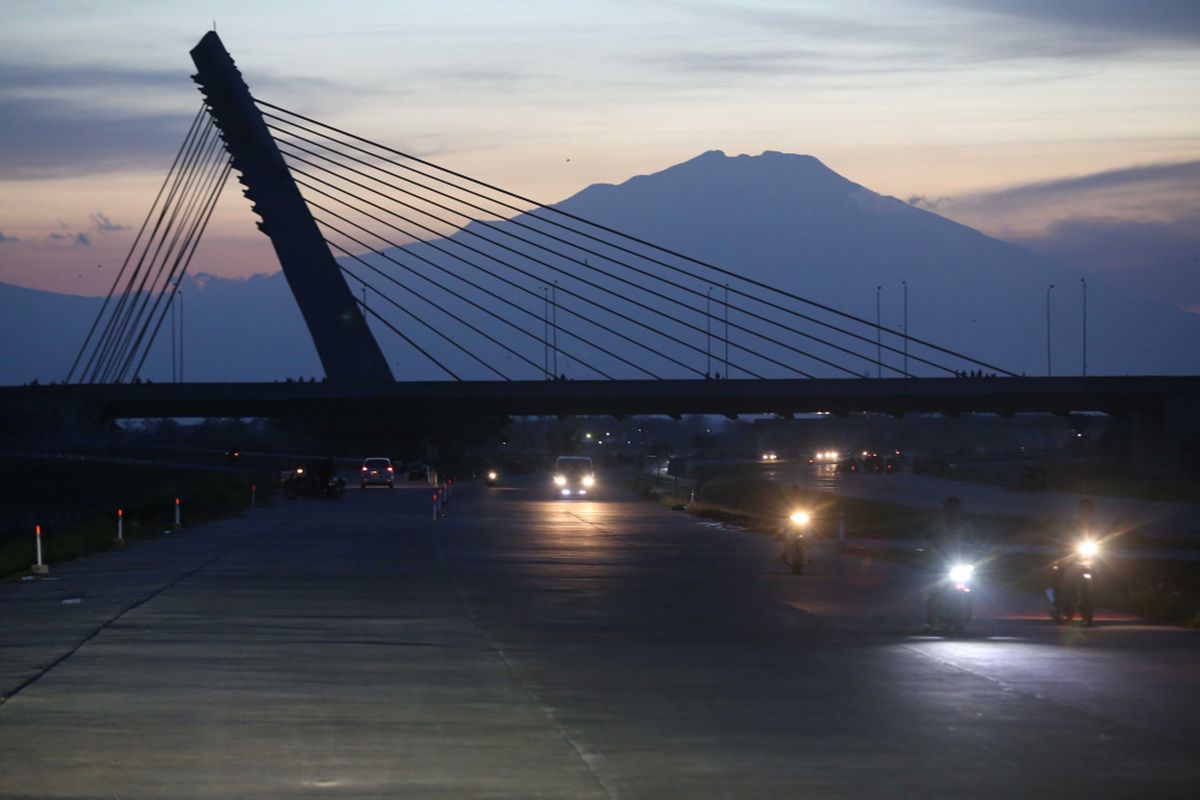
{"points": [[302, 482], [951, 599], [491, 478], [1073, 584], [795, 547]]}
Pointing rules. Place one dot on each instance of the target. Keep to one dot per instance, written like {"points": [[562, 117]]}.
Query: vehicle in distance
{"points": [[770, 455], [491, 477], [573, 476], [377, 471]]}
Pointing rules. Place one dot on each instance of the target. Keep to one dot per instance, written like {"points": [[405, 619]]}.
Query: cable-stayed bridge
{"points": [[522, 307], [474, 280]]}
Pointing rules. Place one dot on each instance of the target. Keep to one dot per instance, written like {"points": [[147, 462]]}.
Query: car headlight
{"points": [[799, 518], [961, 573], [1088, 548], [588, 480], [560, 480], [491, 476]]}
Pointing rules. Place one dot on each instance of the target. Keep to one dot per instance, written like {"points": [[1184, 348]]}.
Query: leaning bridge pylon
{"points": [[344, 343]]}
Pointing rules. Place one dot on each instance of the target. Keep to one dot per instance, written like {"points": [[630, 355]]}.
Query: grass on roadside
{"points": [[205, 496]]}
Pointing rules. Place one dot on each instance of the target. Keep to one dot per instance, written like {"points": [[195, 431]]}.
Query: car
{"points": [[377, 471], [574, 476], [770, 456]]}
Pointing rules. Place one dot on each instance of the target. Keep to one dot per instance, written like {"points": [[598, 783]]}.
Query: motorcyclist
{"points": [[326, 470], [1082, 527], [949, 539]]}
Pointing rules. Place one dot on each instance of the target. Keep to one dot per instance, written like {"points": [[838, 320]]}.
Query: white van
{"points": [[573, 476]]}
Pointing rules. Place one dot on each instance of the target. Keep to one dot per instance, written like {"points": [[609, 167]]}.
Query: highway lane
{"points": [[524, 647]]}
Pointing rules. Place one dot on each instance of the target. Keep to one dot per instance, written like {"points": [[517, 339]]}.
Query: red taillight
{"points": [[364, 469], [391, 470]]}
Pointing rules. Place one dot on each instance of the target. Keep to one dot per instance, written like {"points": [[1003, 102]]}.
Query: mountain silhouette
{"points": [[787, 221]]}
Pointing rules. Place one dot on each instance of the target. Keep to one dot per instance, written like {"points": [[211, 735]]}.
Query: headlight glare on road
{"points": [[799, 518], [1088, 548], [961, 573], [560, 480]]}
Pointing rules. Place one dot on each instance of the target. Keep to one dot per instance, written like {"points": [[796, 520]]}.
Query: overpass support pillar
{"points": [[1166, 439]]}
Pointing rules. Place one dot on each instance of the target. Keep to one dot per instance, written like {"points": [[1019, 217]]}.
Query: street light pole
{"points": [[174, 334], [878, 337], [708, 333], [1049, 372], [905, 285], [727, 331], [1083, 281]]}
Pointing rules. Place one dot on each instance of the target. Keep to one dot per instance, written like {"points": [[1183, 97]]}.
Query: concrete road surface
{"points": [[528, 647]]}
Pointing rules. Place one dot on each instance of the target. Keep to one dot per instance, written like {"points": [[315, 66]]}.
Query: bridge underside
{"points": [[1115, 395]]}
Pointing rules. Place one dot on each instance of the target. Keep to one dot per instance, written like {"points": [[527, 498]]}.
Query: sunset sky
{"points": [[1071, 126]]}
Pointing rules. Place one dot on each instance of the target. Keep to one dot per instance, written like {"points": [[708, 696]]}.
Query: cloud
{"points": [[44, 138], [1153, 178], [29, 78], [1140, 224], [928, 203], [1162, 21], [78, 239], [4, 238], [105, 225], [83, 119]]}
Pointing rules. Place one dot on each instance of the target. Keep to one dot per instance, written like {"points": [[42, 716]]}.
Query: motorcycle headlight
{"points": [[491, 476], [799, 518], [560, 480], [961, 573], [588, 480], [1088, 548]]}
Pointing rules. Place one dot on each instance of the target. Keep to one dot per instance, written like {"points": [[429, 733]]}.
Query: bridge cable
{"points": [[400, 333], [158, 276], [447, 289], [469, 263], [121, 335], [493, 275], [449, 339], [181, 263], [637, 240], [193, 218], [118, 319], [604, 290], [133, 247], [584, 263]]}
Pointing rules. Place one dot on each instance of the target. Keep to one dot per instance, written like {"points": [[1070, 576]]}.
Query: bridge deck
{"points": [[619, 398]]}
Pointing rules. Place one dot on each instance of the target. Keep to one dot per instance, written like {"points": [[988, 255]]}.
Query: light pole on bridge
{"points": [[905, 285], [727, 331], [1083, 282], [1048, 370], [878, 337], [708, 333]]}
